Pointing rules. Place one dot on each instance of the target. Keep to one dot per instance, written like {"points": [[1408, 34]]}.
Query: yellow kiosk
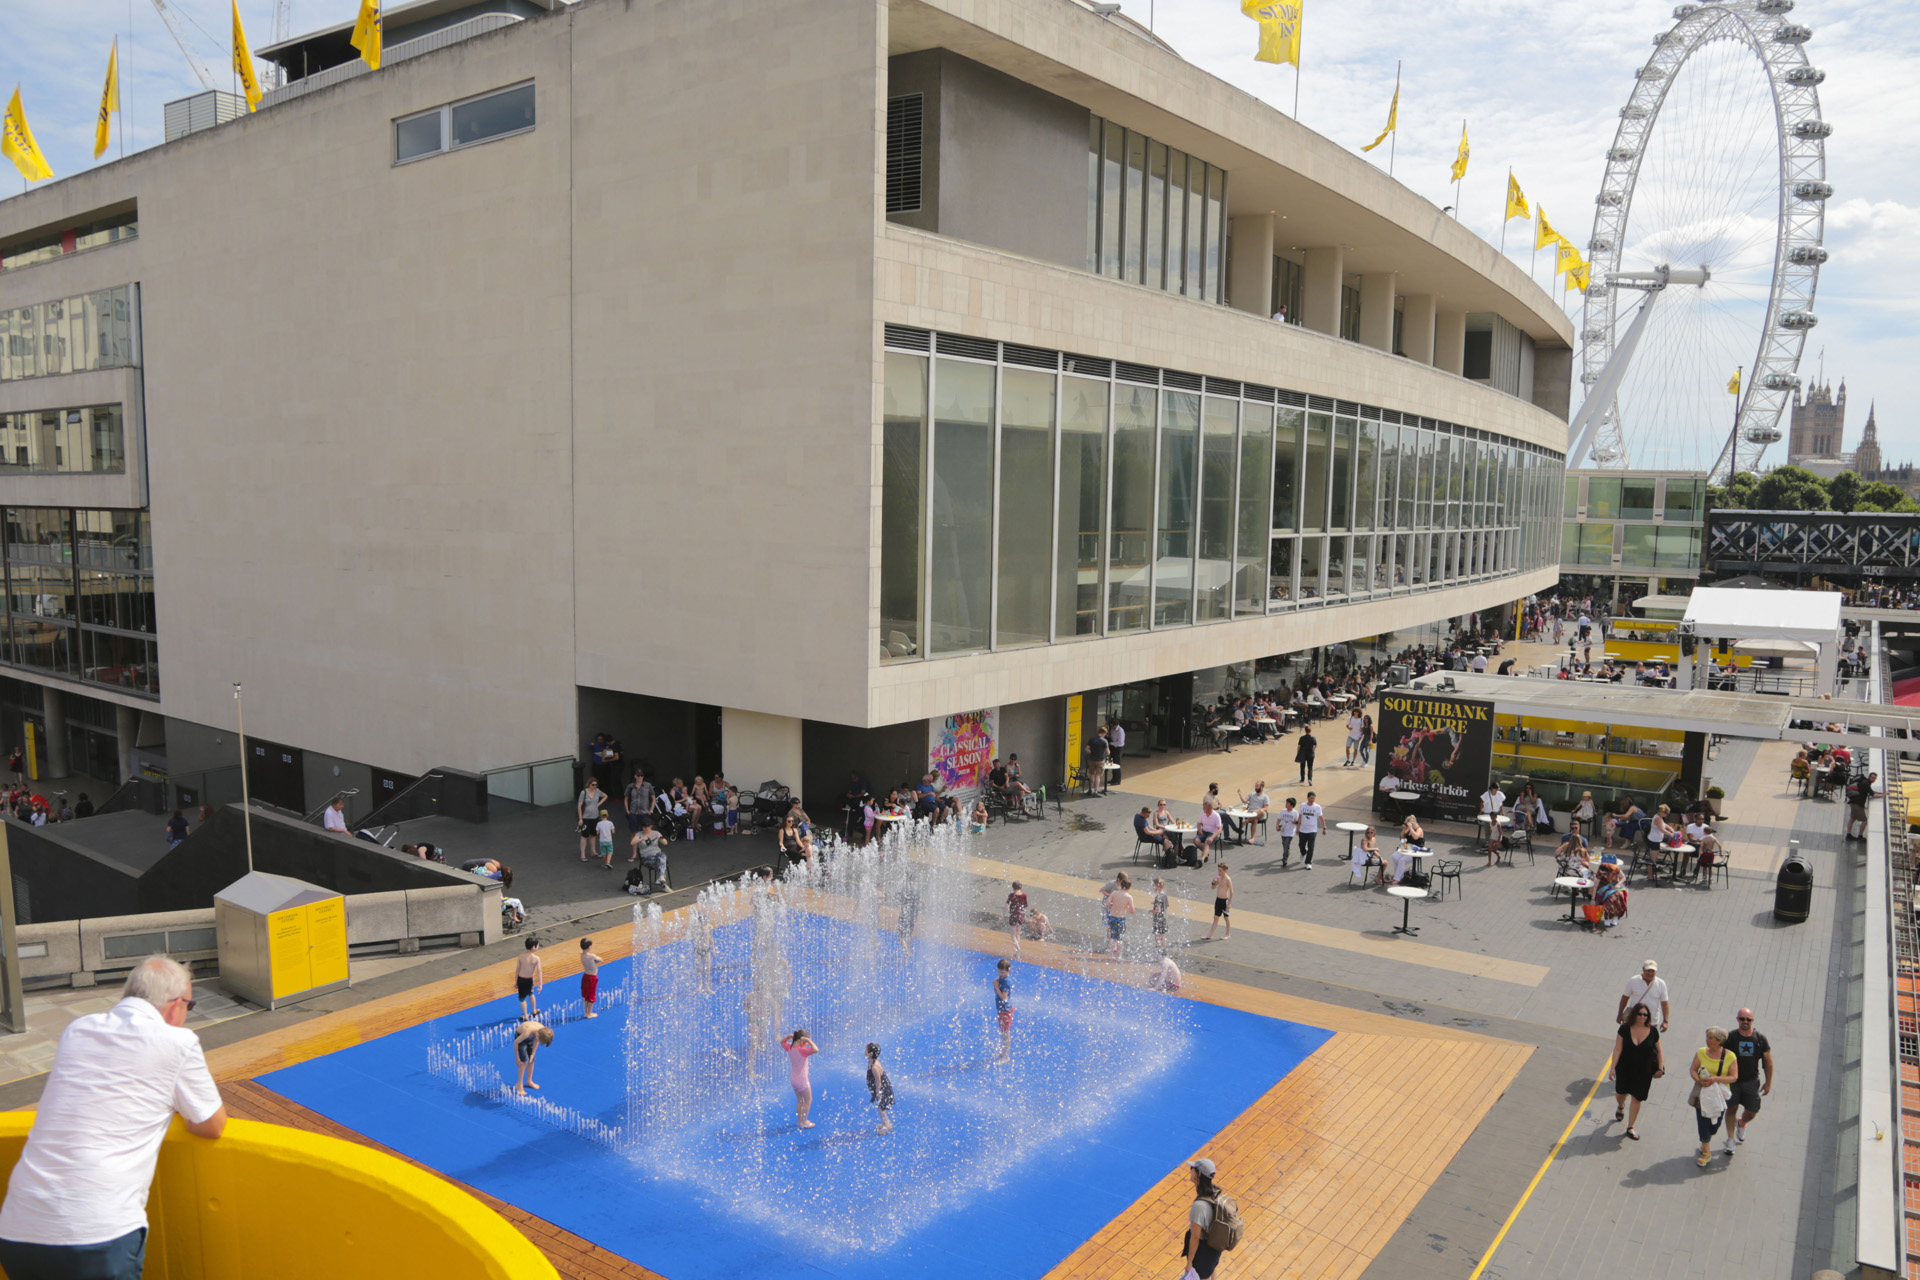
{"points": [[280, 939]]}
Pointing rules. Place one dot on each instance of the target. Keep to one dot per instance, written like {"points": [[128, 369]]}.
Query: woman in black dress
{"points": [[1637, 1062]]}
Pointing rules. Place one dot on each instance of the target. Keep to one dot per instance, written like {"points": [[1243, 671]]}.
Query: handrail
{"points": [[454, 34]]}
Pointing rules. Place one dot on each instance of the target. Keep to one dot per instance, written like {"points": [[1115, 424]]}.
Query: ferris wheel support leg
{"points": [[1594, 407]]}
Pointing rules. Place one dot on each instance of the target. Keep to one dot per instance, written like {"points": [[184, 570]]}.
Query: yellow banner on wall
{"points": [[327, 941], [287, 948], [1075, 733]]}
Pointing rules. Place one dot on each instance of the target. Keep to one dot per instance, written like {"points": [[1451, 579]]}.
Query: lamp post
{"points": [[246, 802]]}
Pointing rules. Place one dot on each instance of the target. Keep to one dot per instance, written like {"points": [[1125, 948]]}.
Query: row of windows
{"points": [[1022, 505], [68, 335], [55, 244], [79, 595], [90, 438], [1155, 215], [462, 124], [1637, 497], [1639, 546]]}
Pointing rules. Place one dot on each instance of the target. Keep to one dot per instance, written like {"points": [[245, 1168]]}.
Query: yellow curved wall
{"points": [[264, 1200]]}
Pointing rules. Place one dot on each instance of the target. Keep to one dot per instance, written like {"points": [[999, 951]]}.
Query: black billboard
{"points": [[1438, 747]]}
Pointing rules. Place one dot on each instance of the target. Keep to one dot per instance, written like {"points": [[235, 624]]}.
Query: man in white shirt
{"points": [[1648, 988], [1479, 663], [335, 817], [1492, 801], [77, 1201], [1116, 741], [1310, 822]]}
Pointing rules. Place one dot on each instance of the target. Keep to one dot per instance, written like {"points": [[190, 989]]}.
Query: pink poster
{"points": [[960, 748]]}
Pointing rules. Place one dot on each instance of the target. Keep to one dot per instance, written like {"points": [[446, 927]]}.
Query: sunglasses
{"points": [[1743, 1021]]}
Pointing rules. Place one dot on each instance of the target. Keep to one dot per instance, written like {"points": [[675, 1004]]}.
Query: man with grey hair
{"points": [[77, 1202]]}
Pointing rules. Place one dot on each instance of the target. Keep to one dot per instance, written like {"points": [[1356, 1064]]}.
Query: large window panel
{"points": [[1596, 544], [1083, 506], [1337, 557], [1156, 220], [1219, 450], [1216, 234], [1130, 545], [1423, 483], [1026, 507], [1636, 498], [902, 553], [961, 545], [1195, 285], [1313, 564], [1366, 474], [1313, 473], [85, 439], [1132, 230], [1683, 500], [1174, 545], [1280, 572], [1341, 508], [1112, 184], [123, 662], [45, 645], [1251, 548], [1093, 194], [1289, 427], [1177, 229], [1603, 497]]}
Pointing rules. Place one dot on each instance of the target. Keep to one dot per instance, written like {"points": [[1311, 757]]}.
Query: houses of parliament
{"points": [[1818, 433]]}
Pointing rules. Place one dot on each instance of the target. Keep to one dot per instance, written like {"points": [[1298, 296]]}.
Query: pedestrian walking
{"points": [[586, 812], [1288, 820], [1492, 801], [603, 839], [1311, 820], [1303, 753], [1214, 1224], [1755, 1060], [1714, 1070], [1356, 723], [880, 1087], [1366, 740], [1637, 1062], [1222, 903], [589, 976], [799, 1047], [527, 979], [528, 1037], [1003, 1009], [76, 1200], [1646, 987], [1118, 906]]}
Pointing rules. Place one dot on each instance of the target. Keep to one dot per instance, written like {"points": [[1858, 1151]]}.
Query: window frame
{"points": [[445, 113]]}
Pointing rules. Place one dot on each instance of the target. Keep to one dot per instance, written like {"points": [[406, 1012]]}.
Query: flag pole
{"points": [[1296, 92], [1533, 263], [1393, 144], [1504, 219], [1457, 181]]}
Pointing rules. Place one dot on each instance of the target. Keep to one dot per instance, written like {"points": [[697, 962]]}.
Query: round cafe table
{"points": [[1353, 829], [1246, 817], [1575, 886], [1406, 894], [1406, 800], [1177, 832]]}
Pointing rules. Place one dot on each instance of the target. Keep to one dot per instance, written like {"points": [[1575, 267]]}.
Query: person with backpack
{"points": [[1214, 1224]]}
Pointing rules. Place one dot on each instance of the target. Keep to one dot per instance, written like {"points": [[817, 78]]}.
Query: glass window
{"points": [[1683, 500], [1132, 224], [1603, 497], [44, 644], [1313, 564], [1111, 184], [1342, 505], [1130, 546], [1403, 560], [902, 552], [418, 135], [1337, 566], [88, 439], [1251, 547], [1156, 248], [1423, 484], [1173, 557], [1026, 507], [125, 662], [1596, 544], [961, 549], [1416, 563], [1195, 286], [1083, 492], [1637, 546], [1366, 474], [1219, 451], [1093, 193], [1636, 498], [494, 116], [1176, 221], [1286, 468], [68, 335], [1280, 572], [1678, 547], [1216, 233], [1572, 508], [1313, 473]]}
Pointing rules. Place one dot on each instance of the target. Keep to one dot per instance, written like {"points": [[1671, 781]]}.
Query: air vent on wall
{"points": [[1256, 392], [954, 344], [1136, 373], [1369, 411], [1349, 408], [1092, 366], [1032, 357], [1222, 387], [1293, 399], [904, 140], [1184, 381], [908, 339], [1323, 403], [1390, 415]]}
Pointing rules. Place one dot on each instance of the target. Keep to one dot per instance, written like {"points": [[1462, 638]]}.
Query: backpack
{"points": [[1227, 1229]]}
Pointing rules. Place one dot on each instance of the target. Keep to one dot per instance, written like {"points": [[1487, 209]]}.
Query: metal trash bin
{"points": [[1793, 890]]}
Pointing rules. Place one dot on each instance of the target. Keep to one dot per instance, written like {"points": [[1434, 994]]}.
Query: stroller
{"points": [[671, 826]]}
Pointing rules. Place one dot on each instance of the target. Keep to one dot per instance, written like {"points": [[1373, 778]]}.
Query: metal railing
{"points": [[440, 39]]}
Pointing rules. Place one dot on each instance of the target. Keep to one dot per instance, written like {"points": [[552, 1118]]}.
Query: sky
{"points": [[1539, 82]]}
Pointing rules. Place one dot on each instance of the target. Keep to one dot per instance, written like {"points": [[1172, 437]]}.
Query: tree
{"points": [[1737, 496], [1878, 495], [1843, 491], [1790, 489]]}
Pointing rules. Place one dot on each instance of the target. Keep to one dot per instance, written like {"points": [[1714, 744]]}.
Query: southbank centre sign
{"points": [[1439, 748]]}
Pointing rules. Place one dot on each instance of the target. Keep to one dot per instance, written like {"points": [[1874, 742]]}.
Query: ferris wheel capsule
{"points": [[1806, 77], [1762, 435], [1798, 319], [1775, 6], [1811, 129], [1781, 382], [1812, 190], [1807, 255], [1792, 33]]}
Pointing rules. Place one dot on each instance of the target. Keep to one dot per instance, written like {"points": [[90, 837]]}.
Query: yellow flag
{"points": [[1516, 201], [109, 100], [243, 61], [1460, 161], [1579, 277], [17, 144], [366, 33], [1279, 28], [1567, 257], [1734, 384], [1393, 119], [1546, 235]]}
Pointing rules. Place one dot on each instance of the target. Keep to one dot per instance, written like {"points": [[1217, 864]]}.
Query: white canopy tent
{"points": [[1812, 618]]}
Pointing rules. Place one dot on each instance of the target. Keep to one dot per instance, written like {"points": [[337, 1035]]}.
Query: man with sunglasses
{"points": [[1751, 1050], [76, 1205]]}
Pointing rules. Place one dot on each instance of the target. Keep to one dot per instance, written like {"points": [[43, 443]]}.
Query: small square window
{"points": [[417, 136]]}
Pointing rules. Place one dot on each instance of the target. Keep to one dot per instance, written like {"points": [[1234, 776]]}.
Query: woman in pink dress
{"points": [[799, 1047]]}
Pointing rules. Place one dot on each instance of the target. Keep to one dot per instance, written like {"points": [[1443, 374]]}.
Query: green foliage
{"points": [[1797, 489], [1737, 496], [1790, 489], [1878, 495], [1843, 491]]}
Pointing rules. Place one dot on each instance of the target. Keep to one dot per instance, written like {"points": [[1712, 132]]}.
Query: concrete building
{"points": [[760, 383], [1632, 527], [1817, 431]]}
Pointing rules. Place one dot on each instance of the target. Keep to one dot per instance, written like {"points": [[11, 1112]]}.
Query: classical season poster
{"points": [[960, 748], [1439, 748]]}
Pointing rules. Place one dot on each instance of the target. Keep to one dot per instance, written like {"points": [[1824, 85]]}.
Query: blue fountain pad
{"points": [[1031, 1216]]}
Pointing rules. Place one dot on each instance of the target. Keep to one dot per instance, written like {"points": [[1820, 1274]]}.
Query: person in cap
{"points": [[1649, 988], [1213, 1223]]}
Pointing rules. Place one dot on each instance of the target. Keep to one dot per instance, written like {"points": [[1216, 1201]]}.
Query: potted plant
{"points": [[1714, 796]]}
